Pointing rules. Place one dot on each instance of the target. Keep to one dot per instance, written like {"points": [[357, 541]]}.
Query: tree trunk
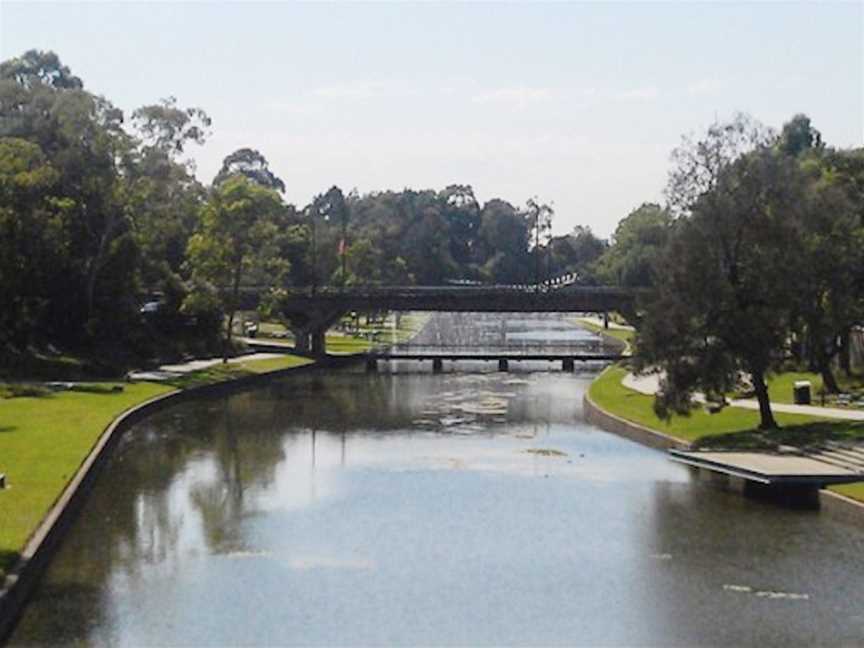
{"points": [[845, 353], [232, 309], [829, 383], [766, 417]]}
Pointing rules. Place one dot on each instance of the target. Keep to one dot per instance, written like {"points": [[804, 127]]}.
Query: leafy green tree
{"points": [[576, 253], [798, 136], [831, 269], [503, 237], [237, 236], [31, 235], [168, 127], [253, 165], [636, 245], [81, 137], [722, 301]]}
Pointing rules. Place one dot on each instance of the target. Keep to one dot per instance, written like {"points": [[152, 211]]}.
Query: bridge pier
{"points": [[503, 364], [605, 319], [319, 344], [371, 365], [301, 340], [568, 365], [437, 365]]}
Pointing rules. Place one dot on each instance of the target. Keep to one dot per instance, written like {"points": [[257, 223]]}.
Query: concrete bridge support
{"points": [[568, 365], [437, 365], [371, 365], [503, 364], [319, 342]]}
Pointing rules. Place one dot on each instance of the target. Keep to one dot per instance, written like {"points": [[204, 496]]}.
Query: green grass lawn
{"points": [[42, 443], [780, 386], [855, 491], [608, 392], [44, 439]]}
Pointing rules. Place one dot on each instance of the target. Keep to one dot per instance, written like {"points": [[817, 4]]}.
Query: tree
{"points": [[503, 239], [37, 68], [31, 235], [723, 298], [576, 253], [169, 128], [252, 164], [540, 220], [831, 268], [81, 137], [799, 136], [237, 236], [636, 245]]}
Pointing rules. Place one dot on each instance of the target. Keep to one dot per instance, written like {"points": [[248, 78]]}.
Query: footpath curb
{"points": [[37, 553]]}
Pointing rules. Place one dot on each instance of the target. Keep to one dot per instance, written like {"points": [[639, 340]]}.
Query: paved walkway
{"points": [[649, 384], [168, 372]]}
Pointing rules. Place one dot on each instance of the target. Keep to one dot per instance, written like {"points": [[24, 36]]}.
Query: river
{"points": [[469, 507]]}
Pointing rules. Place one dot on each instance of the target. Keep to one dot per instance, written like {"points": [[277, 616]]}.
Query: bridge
{"points": [[503, 358], [309, 314]]}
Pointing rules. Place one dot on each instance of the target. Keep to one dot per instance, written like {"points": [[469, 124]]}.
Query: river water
{"points": [[406, 508]]}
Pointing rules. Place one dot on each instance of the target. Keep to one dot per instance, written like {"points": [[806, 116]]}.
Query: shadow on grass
{"points": [[218, 373], [7, 562], [800, 436], [16, 390], [7, 428]]}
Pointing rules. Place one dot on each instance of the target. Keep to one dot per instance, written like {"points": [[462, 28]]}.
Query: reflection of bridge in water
{"points": [[309, 314]]}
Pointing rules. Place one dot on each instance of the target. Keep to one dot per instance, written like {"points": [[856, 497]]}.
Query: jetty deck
{"points": [[778, 468]]}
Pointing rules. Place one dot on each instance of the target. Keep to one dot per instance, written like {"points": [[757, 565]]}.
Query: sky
{"points": [[577, 104]]}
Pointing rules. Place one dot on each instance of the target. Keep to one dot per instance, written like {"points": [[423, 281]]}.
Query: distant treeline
{"points": [[101, 212]]}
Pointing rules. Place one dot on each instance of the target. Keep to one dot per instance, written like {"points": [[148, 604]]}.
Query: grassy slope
{"points": [[44, 440]]}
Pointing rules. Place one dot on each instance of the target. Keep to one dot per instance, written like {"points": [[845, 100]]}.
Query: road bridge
{"points": [[310, 313]]}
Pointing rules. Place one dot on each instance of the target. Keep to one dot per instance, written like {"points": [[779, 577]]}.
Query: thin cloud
{"points": [[516, 96], [703, 87], [642, 93]]}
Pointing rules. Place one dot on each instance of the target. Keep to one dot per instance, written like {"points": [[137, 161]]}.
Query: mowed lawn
{"points": [[43, 441], [608, 392]]}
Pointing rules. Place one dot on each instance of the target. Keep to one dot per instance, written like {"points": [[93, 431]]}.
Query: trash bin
{"points": [[801, 392]]}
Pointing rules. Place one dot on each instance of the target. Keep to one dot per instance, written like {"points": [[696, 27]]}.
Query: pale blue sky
{"points": [[576, 103]]}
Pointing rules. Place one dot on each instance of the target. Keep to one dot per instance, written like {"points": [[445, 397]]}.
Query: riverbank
{"points": [[44, 437], [625, 411], [57, 440]]}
